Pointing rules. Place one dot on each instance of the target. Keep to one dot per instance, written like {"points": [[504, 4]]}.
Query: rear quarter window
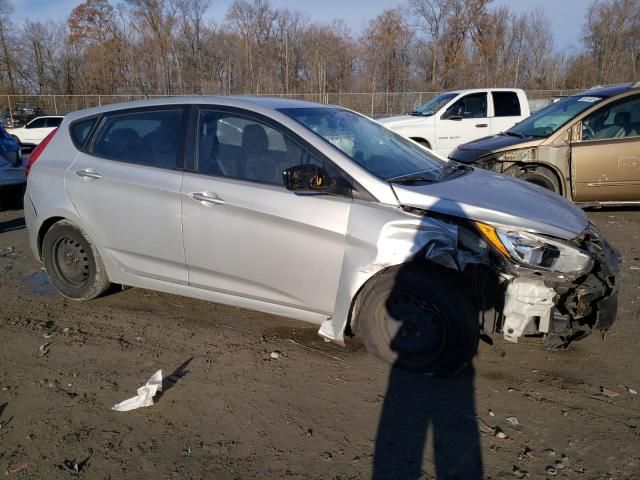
{"points": [[506, 104], [80, 129]]}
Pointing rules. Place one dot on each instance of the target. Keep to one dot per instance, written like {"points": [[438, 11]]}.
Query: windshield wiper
{"points": [[513, 134], [416, 113], [412, 178]]}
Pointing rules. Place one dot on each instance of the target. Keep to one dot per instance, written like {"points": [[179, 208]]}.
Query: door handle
{"points": [[88, 174], [209, 198], [481, 125]]}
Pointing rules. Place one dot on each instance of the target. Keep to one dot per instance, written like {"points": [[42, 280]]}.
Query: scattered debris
{"points": [[484, 427], [608, 393], [43, 349], [518, 472], [631, 391], [76, 467], [551, 471], [145, 394], [186, 451], [513, 421], [550, 451], [18, 468], [500, 434], [498, 350], [491, 414], [526, 453], [275, 355], [633, 267]]}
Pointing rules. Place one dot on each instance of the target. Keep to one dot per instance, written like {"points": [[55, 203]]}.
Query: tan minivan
{"points": [[585, 147]]}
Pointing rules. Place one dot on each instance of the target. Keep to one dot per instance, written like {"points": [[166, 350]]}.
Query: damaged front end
{"points": [[562, 290]]}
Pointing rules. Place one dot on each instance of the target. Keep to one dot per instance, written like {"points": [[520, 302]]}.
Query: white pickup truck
{"points": [[459, 116]]}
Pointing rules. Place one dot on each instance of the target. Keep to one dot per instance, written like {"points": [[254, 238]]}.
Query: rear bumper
{"points": [[33, 225]]}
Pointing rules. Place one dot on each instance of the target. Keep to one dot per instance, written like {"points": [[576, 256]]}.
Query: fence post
{"points": [[99, 100], [372, 94], [55, 104], [10, 110]]}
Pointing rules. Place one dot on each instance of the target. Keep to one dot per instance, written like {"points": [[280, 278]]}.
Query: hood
{"points": [[469, 152], [497, 199], [404, 120]]}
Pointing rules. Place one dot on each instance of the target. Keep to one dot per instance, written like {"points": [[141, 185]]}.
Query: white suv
{"points": [[36, 130]]}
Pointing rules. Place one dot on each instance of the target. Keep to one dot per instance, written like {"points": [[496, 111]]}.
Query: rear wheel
{"points": [[541, 176], [414, 317], [73, 263]]}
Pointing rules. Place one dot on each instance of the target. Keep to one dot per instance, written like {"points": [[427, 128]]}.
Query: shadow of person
{"points": [[413, 404]]}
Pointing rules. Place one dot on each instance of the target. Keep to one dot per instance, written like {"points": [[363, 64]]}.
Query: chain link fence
{"points": [[17, 109]]}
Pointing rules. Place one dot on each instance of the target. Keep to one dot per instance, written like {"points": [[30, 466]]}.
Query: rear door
{"points": [[125, 186], [467, 119], [244, 233], [507, 111], [606, 161]]}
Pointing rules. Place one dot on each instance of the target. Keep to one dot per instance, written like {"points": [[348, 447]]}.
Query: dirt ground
{"points": [[231, 411]]}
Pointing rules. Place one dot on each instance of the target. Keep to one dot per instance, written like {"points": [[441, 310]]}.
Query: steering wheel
{"points": [[586, 128]]}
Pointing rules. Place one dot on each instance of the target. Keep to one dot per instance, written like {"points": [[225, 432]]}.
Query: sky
{"points": [[566, 16]]}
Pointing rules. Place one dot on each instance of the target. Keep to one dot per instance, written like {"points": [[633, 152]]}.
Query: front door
{"points": [[606, 161], [126, 189], [467, 119], [244, 233]]}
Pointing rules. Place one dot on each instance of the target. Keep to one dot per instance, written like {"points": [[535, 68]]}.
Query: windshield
{"points": [[378, 150], [432, 106], [551, 118]]}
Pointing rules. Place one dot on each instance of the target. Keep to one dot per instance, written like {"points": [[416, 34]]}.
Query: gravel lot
{"points": [[231, 411]]}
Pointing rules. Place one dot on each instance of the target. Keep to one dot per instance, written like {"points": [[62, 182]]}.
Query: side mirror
{"points": [[307, 178]]}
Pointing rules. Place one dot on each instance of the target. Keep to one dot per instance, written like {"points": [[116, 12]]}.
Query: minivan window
{"points": [[375, 148], [232, 145], [617, 120], [506, 104], [149, 137], [553, 117], [80, 130]]}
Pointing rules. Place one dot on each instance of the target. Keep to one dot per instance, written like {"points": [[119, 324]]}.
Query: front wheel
{"points": [[73, 263], [415, 317], [543, 177]]}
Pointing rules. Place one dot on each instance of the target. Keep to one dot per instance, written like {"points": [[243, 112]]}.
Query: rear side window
{"points": [[53, 122], [506, 104], [149, 137], [80, 131], [38, 123]]}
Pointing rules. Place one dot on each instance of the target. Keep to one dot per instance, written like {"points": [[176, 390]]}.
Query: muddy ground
{"points": [[230, 411]]}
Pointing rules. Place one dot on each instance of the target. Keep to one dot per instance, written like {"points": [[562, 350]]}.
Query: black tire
{"points": [[422, 142], [73, 263], [403, 303], [541, 176]]}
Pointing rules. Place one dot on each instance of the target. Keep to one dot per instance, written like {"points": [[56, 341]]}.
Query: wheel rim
{"points": [[71, 261], [415, 327]]}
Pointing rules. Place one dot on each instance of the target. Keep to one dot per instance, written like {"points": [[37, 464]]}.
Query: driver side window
{"points": [[232, 145], [470, 106], [618, 120]]}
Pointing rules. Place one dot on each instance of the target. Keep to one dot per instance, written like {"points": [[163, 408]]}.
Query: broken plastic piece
{"points": [[145, 395], [525, 302]]}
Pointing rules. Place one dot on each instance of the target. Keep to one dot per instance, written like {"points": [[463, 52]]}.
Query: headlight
{"points": [[525, 154], [536, 251]]}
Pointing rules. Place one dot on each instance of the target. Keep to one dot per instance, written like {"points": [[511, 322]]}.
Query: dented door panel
{"points": [[607, 170]]}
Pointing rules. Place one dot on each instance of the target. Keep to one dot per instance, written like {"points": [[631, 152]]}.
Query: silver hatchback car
{"points": [[317, 213]]}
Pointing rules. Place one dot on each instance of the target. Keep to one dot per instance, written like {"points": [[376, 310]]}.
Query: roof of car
{"points": [[609, 90]]}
